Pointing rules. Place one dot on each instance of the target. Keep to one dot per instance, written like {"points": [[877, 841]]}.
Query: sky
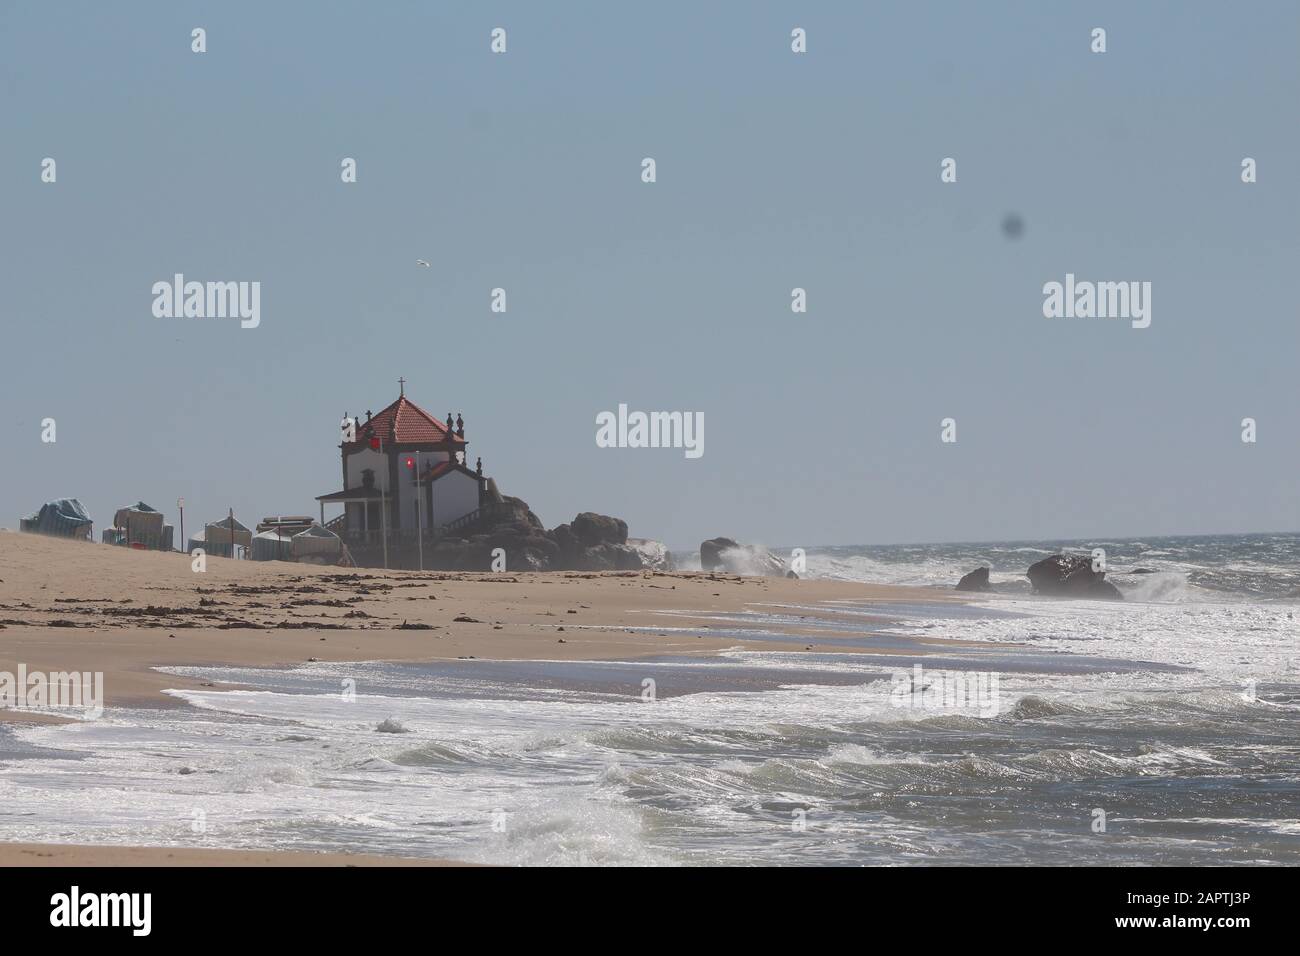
{"points": [[774, 170]]}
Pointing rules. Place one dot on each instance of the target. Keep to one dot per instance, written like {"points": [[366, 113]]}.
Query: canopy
{"points": [[316, 540], [62, 516], [219, 533], [140, 519], [269, 546]]}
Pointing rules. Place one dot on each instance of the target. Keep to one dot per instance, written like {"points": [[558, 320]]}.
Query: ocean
{"points": [[1160, 730]]}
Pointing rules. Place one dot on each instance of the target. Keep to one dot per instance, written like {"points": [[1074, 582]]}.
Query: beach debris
{"points": [[466, 619], [413, 626], [390, 725]]}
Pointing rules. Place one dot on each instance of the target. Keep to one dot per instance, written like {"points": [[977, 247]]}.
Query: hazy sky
{"points": [[775, 170]]}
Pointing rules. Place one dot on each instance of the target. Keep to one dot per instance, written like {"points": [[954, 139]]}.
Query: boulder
{"points": [[654, 554], [591, 542], [724, 554], [711, 553], [1071, 576], [593, 529], [977, 580], [567, 541]]}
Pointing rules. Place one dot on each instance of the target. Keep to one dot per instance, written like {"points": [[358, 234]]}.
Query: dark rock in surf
{"points": [[977, 580], [1071, 576], [724, 554], [711, 553]]}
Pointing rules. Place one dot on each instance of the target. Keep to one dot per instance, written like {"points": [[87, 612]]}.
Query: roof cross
{"points": [[401, 385]]}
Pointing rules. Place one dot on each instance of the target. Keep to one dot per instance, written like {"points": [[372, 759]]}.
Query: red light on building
{"points": [[410, 463], [374, 443]]}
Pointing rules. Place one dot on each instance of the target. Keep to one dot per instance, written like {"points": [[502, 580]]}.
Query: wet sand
{"points": [[81, 607]]}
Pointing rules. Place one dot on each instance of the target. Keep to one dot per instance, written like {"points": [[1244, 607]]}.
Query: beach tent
{"points": [[141, 524], [220, 535], [63, 517], [269, 546], [317, 543], [139, 515]]}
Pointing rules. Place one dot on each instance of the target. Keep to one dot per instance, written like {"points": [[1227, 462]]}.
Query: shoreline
{"points": [[67, 854], [79, 607]]}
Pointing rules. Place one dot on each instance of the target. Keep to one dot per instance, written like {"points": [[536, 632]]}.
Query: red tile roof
{"points": [[443, 468], [404, 422]]}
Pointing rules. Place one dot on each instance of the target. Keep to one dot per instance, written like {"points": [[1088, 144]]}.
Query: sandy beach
{"points": [[74, 606], [70, 606]]}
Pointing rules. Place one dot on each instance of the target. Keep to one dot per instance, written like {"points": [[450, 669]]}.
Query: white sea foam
{"points": [[528, 774]]}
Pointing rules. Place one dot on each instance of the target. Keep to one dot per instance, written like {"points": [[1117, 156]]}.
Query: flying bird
{"points": [[421, 262]]}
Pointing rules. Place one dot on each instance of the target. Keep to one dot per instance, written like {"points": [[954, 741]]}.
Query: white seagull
{"points": [[421, 262]]}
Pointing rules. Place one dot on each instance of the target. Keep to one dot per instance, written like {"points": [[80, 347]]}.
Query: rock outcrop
{"points": [[724, 554], [977, 580], [1071, 576], [654, 554], [711, 553], [591, 542]]}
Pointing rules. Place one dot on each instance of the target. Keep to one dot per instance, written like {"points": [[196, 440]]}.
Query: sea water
{"points": [[1160, 730]]}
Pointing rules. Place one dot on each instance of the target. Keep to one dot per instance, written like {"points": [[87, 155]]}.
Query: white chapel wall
{"points": [[454, 496], [368, 458]]}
